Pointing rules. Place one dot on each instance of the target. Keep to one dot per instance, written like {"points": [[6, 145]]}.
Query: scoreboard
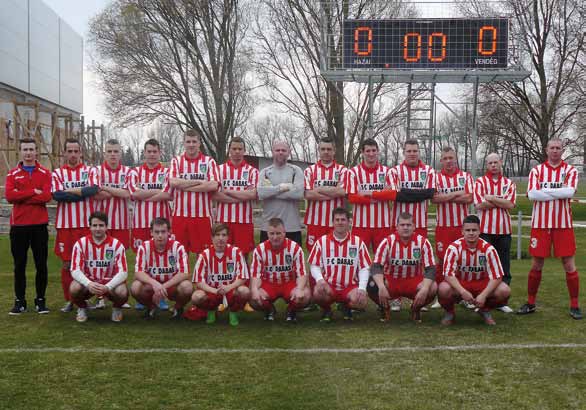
{"points": [[405, 44]]}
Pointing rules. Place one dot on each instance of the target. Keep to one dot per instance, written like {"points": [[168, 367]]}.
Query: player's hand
{"points": [[284, 187], [96, 288], [479, 301], [383, 296], [159, 292], [467, 296], [361, 297], [221, 290], [420, 297], [38, 191], [321, 287], [257, 297], [296, 294]]}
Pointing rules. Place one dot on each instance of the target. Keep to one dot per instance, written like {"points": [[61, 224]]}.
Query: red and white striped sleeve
{"points": [[364, 260], [451, 261], [120, 260], [95, 176], [572, 178], [77, 257], [427, 254], [479, 191], [511, 194], [308, 177], [494, 268], [257, 264], [242, 267], [182, 259], [533, 179], [213, 173], [132, 181], [253, 177], [430, 182], [201, 269], [299, 261], [469, 184], [351, 183], [141, 259], [382, 252], [315, 254], [56, 182]]}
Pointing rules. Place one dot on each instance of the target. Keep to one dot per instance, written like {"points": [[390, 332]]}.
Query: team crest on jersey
{"points": [[352, 251], [244, 174], [203, 168], [161, 178], [423, 175], [336, 175], [381, 178], [288, 259], [84, 175], [230, 267], [109, 254], [482, 260], [563, 176], [417, 253], [172, 260], [461, 181]]}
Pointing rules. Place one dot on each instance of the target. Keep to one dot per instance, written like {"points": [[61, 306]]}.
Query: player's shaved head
{"points": [[493, 157]]}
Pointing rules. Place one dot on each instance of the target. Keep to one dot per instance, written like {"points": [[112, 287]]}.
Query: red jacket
{"points": [[29, 208]]}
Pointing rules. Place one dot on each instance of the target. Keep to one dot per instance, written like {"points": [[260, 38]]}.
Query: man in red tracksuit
{"points": [[28, 188]]}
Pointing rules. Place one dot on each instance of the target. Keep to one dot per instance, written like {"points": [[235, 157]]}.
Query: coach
{"points": [[28, 188]]}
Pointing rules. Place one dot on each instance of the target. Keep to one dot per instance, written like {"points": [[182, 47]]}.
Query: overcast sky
{"points": [[77, 13]]}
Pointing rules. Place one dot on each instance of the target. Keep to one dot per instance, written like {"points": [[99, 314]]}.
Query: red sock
{"points": [[292, 307], [447, 304], [533, 285], [66, 280], [573, 282]]}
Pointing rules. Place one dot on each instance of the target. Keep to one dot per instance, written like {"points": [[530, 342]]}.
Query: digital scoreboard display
{"points": [[426, 44]]}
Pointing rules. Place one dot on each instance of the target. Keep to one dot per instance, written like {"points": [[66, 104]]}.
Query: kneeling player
{"points": [[98, 268], [339, 264], [278, 271], [161, 271], [473, 273], [406, 260], [220, 276]]}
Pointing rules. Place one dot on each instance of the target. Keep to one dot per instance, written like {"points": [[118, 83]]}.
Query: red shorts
{"points": [[371, 236], [193, 233], [444, 236], [473, 286], [123, 235], [405, 287], [341, 296], [213, 301], [66, 238], [241, 236], [140, 235], [279, 290], [314, 232], [562, 239]]}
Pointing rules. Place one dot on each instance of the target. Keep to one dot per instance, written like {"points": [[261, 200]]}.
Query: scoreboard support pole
{"points": [[370, 109], [474, 136]]}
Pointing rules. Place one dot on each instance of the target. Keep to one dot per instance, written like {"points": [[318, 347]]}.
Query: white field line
{"points": [[316, 350]]}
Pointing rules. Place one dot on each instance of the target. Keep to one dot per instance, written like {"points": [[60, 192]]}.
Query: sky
{"points": [[78, 13]]}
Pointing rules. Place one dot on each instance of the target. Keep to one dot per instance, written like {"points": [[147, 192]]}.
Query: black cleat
{"points": [[576, 313], [150, 314], [347, 311], [291, 316], [18, 308], [270, 315], [526, 309], [177, 314], [327, 316], [41, 307]]}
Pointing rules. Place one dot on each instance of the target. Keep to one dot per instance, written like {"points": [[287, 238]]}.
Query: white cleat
{"points": [[117, 315], [81, 315]]}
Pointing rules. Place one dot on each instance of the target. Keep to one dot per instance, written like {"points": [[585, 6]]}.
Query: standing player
{"points": [[494, 195], [324, 191], [161, 271], [278, 271], [404, 267], [238, 182], [193, 177], [72, 186], [221, 276], [339, 264], [113, 178], [454, 191], [281, 189], [370, 188], [28, 188], [146, 189], [551, 187], [99, 268], [473, 273]]}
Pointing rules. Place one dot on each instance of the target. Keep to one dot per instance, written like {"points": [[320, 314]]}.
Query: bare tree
{"points": [[183, 61], [552, 32], [290, 50], [170, 137]]}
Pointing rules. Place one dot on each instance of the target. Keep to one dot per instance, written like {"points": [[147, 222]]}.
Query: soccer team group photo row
{"points": [[378, 251]]}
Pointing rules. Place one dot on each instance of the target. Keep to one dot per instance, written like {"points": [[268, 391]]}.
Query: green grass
{"points": [[490, 379]]}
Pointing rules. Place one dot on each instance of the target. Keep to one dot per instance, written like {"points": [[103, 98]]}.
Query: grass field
{"points": [[534, 362]]}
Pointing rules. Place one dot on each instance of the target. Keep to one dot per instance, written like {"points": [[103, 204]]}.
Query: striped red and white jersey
{"points": [[340, 261], [162, 266], [233, 178], [98, 262], [319, 213], [558, 212], [494, 221], [215, 270], [404, 260], [73, 214], [146, 178], [200, 168], [468, 264], [362, 179], [420, 177], [116, 208], [278, 266], [451, 214]]}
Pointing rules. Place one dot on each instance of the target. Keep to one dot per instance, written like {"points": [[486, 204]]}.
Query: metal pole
{"points": [[370, 102], [409, 86], [474, 139], [519, 232]]}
